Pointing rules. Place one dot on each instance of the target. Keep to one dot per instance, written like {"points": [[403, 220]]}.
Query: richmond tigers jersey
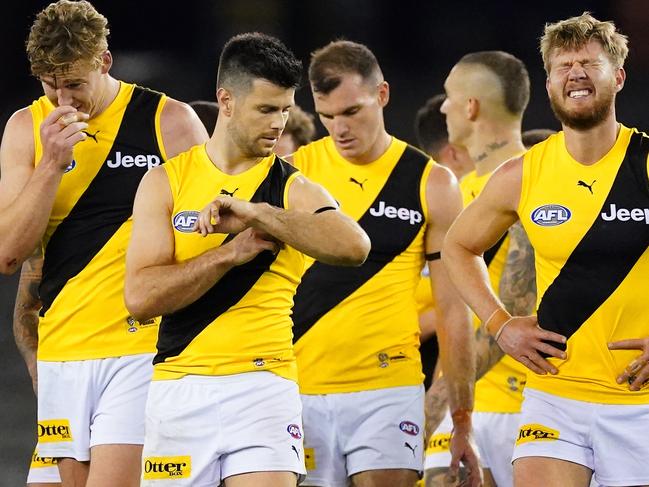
{"points": [[84, 315], [243, 322], [356, 328], [589, 226], [501, 389]]}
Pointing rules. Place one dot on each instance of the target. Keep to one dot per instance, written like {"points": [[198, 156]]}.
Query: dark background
{"points": [[175, 49]]}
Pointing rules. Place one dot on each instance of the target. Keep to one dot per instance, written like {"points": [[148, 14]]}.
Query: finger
{"points": [[78, 137], [550, 336], [530, 365], [550, 350], [73, 128], [57, 113], [640, 379], [633, 344], [542, 363]]}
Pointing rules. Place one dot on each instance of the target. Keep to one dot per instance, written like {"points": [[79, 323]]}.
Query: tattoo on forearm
{"points": [[517, 289], [488, 353], [25, 324]]}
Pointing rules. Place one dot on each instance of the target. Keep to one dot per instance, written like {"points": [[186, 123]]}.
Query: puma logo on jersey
{"points": [[140, 160], [92, 136], [588, 186], [405, 214], [550, 215], [624, 215], [355, 181], [223, 191]]}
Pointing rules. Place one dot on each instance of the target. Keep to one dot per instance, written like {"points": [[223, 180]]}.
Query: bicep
{"points": [[152, 240], [307, 196], [16, 156], [444, 202], [180, 127]]}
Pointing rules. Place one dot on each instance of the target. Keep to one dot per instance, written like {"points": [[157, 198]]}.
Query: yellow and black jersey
{"points": [[356, 328], [501, 389], [84, 315], [243, 322], [589, 226]]}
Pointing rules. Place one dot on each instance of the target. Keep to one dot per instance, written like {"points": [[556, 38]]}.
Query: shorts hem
{"points": [[117, 441], [264, 468], [354, 471], [617, 482], [79, 457], [310, 482], [556, 456]]}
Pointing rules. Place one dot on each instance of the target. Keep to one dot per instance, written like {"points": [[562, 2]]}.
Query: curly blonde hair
{"points": [[65, 33], [575, 32]]}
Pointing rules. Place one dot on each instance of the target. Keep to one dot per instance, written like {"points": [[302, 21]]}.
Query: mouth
{"points": [[579, 94], [345, 142]]}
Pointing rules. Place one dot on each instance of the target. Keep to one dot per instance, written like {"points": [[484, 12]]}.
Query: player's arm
{"points": [[155, 283], [180, 127], [312, 224], [454, 331], [27, 193], [479, 227], [28, 304]]}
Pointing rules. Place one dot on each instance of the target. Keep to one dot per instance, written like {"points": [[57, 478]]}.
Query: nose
{"points": [[444, 107], [63, 97], [340, 127], [576, 72], [278, 121]]}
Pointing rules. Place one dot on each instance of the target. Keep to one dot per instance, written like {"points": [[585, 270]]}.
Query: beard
{"points": [[247, 144], [582, 120]]}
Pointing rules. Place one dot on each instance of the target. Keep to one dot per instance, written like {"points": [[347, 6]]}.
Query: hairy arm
{"points": [[27, 193], [28, 303], [155, 283]]}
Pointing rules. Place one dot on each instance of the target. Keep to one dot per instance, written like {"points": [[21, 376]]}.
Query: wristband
{"points": [[496, 321]]}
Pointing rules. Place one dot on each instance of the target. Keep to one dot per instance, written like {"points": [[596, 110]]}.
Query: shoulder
{"points": [[18, 136], [180, 127], [20, 120]]}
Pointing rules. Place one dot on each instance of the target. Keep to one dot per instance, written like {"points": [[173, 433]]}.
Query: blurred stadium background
{"points": [[174, 48]]}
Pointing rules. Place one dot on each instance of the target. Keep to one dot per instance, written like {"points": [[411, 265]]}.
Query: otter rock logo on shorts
{"points": [[54, 431], [161, 468], [536, 432], [439, 443]]}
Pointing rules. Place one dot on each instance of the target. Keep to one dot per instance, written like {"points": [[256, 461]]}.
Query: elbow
{"points": [[358, 250], [9, 264], [136, 304]]}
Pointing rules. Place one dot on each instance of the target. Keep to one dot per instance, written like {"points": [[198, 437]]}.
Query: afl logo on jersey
{"points": [[409, 428], [184, 221], [72, 165], [550, 215], [294, 431]]}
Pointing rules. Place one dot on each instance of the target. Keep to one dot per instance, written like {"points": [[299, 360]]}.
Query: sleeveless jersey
{"points": [[356, 328], [589, 226], [500, 390], [84, 315], [243, 322]]}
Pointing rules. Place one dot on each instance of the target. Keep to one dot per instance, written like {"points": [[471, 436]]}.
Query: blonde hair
{"points": [[64, 34], [576, 32]]}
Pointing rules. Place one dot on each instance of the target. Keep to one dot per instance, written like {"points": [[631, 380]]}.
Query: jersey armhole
{"points": [[158, 130]]}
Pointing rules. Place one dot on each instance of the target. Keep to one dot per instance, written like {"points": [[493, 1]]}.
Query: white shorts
{"points": [[43, 470], [610, 439], [203, 429], [348, 433], [495, 435], [91, 402]]}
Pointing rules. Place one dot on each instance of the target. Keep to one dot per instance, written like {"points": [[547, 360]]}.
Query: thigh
{"points": [[268, 437], [267, 479], [385, 478], [620, 445], [103, 462], [550, 472], [383, 429], [556, 428], [324, 459]]}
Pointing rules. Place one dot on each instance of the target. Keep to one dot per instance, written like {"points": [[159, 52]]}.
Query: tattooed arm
{"points": [[517, 288], [26, 310]]}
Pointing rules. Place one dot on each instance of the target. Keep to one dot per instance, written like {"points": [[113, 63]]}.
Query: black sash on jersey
{"points": [[325, 286], [491, 252], [106, 203], [178, 329], [606, 254]]}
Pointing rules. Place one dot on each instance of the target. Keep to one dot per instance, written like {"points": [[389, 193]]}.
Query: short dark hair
{"points": [[253, 55], [300, 126], [207, 111], [330, 62], [534, 136], [512, 74], [430, 126]]}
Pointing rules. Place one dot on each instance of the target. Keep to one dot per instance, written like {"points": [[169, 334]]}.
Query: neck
{"points": [[225, 154], [490, 146], [377, 150], [589, 146], [108, 95]]}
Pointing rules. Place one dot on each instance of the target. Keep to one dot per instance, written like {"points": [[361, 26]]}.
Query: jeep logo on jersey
{"points": [[405, 214], [139, 160], [550, 215], [158, 468], [294, 431], [72, 165], [184, 221], [624, 215], [409, 428]]}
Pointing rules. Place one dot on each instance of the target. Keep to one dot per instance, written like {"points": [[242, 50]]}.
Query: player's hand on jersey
{"points": [[636, 374], [225, 215], [435, 404], [60, 131], [463, 451], [247, 244], [523, 339]]}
